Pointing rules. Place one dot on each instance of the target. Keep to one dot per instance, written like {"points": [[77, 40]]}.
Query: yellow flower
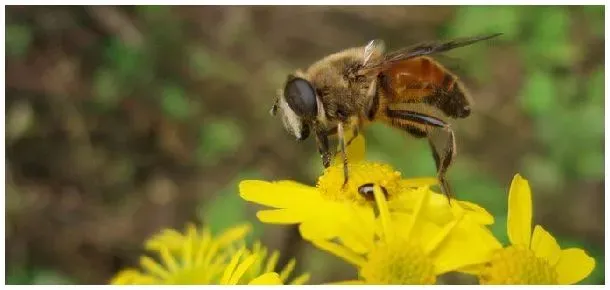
{"points": [[407, 248], [532, 258], [323, 211], [199, 258]]}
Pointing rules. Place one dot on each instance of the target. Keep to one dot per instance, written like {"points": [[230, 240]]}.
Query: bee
{"points": [[406, 89]]}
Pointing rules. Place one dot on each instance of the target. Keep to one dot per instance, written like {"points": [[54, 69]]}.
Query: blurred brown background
{"points": [[121, 121]]}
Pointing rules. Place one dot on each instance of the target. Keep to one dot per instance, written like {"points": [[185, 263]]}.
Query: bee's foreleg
{"points": [[323, 147], [355, 133], [340, 133]]}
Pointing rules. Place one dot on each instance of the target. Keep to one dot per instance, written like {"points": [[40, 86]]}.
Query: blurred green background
{"points": [[123, 120]]}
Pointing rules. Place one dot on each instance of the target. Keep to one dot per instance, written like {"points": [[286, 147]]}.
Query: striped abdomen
{"points": [[424, 80]]}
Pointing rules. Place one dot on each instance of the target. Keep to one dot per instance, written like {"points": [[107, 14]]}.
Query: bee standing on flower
{"points": [[406, 89]]}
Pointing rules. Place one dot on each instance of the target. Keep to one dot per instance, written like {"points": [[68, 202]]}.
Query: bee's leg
{"points": [[437, 159], [355, 130], [444, 160], [340, 132], [323, 147], [355, 133]]}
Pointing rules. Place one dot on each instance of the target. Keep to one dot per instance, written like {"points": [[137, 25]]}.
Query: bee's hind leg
{"points": [[444, 160]]}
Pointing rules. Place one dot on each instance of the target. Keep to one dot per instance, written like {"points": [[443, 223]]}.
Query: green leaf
{"points": [[217, 139], [175, 103], [18, 39], [538, 95]]}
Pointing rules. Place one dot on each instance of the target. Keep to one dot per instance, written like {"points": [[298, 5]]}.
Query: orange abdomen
{"points": [[417, 78], [424, 80]]}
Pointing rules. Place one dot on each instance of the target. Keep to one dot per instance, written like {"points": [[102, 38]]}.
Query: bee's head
{"points": [[298, 106]]}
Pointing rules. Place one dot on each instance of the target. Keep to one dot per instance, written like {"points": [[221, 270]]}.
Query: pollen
{"points": [[399, 263], [516, 265], [331, 183]]}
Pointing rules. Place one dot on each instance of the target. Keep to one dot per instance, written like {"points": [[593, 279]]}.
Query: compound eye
{"points": [[301, 97], [366, 190]]}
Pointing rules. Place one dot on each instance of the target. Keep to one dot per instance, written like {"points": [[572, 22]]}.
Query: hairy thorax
{"points": [[342, 91]]}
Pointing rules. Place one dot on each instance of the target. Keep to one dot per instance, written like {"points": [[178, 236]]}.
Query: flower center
{"points": [[398, 263], [360, 173], [518, 266]]}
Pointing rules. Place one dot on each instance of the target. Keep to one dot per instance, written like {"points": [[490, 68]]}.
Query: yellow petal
{"points": [[272, 261], [230, 269], [418, 182], [167, 238], [477, 213], [353, 225], [169, 260], [545, 246], [288, 269], [233, 234], [468, 244], [280, 216], [187, 250], [126, 277], [348, 282], [241, 269], [423, 195], [384, 212], [573, 266], [519, 212], [475, 269], [440, 236], [301, 279], [153, 267], [281, 194], [267, 279], [341, 252], [357, 231]]}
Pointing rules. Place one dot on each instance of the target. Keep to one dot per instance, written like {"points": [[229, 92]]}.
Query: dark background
{"points": [[121, 121]]}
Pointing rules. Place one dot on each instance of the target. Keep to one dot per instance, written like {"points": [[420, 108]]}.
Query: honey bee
{"points": [[406, 89]]}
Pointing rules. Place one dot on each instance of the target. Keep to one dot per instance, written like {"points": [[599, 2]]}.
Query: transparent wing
{"points": [[424, 48], [373, 50]]}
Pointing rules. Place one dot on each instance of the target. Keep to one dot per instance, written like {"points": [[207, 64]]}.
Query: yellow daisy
{"points": [[201, 259], [323, 211], [407, 248], [532, 258]]}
